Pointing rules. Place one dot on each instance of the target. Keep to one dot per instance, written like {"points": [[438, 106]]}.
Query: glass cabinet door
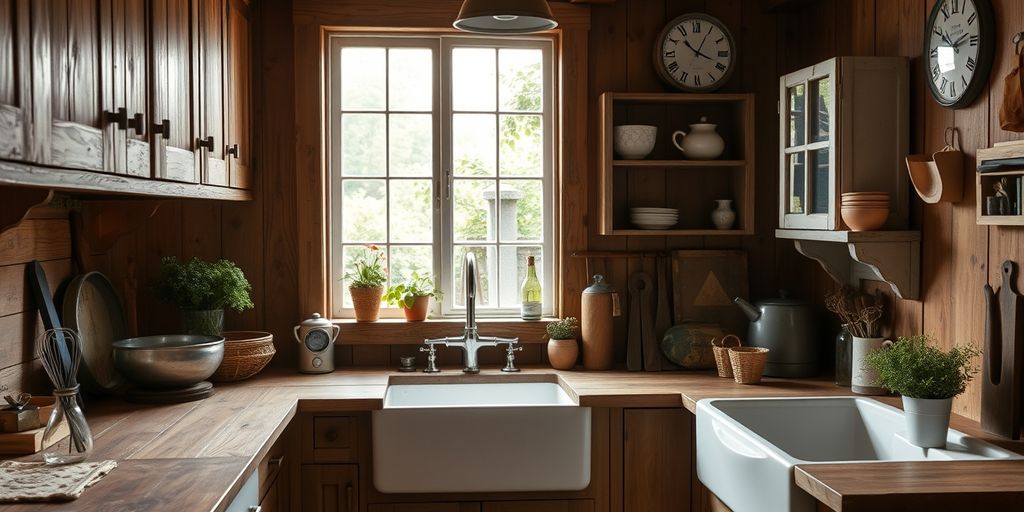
{"points": [[807, 166]]}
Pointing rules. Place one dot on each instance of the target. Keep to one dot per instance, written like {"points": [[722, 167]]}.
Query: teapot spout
{"points": [[752, 312]]}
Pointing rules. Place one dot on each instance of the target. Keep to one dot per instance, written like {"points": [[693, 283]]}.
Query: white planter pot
{"points": [[863, 378], [927, 420]]}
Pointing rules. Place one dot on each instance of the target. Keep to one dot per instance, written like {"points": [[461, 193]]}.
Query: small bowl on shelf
{"points": [[634, 141], [865, 218]]}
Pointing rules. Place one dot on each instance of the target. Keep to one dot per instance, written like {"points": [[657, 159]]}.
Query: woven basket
{"points": [[366, 303], [245, 354], [748, 363], [721, 348]]}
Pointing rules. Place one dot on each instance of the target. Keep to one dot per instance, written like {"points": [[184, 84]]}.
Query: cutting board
{"points": [[1003, 357], [704, 284]]}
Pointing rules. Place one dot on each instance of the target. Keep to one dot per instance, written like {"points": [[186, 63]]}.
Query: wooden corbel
{"points": [[16, 202]]}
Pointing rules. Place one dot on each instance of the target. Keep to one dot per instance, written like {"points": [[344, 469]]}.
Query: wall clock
{"points": [[695, 52], [958, 44]]}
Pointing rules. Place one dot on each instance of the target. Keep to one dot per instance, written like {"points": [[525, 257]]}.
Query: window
{"points": [[439, 146]]}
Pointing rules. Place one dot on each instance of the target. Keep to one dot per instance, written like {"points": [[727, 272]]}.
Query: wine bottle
{"points": [[531, 293]]}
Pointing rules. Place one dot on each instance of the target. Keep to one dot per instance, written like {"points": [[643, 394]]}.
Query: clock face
{"points": [[695, 52], [958, 45], [317, 340]]}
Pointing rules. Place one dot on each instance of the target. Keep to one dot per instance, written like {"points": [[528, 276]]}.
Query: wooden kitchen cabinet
{"points": [[210, 75], [239, 94], [541, 506], [657, 466], [173, 92], [19, 137], [330, 488], [425, 507], [275, 473]]}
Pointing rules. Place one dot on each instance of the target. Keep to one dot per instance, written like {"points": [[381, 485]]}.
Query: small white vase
{"points": [[927, 420], [863, 379], [723, 217]]}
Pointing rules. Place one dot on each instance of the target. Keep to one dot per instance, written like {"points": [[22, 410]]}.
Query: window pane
{"points": [[820, 177], [796, 115], [362, 79], [473, 79], [473, 144], [411, 144], [472, 214], [363, 211], [796, 183], [521, 84], [521, 210], [513, 271], [410, 211], [521, 146], [410, 79], [819, 105], [348, 254], [406, 259], [486, 263], [363, 143]]}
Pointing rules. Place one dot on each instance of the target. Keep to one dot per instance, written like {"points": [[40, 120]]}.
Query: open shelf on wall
{"points": [[985, 182]]}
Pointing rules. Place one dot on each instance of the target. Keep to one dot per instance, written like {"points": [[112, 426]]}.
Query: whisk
{"points": [[54, 347]]}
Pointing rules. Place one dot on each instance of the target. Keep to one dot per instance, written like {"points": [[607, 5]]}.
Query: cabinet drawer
{"points": [[334, 439], [272, 465]]}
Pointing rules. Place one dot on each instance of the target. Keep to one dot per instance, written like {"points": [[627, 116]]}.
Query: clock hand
{"points": [[696, 51], [959, 40]]}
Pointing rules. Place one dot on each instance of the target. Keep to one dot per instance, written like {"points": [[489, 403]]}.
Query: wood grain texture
{"points": [[656, 459]]}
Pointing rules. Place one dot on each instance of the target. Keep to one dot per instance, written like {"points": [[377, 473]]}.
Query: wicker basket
{"points": [[748, 363], [721, 348], [245, 354]]}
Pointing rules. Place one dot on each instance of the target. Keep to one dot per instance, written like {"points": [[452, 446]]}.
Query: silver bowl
{"points": [[169, 361]]}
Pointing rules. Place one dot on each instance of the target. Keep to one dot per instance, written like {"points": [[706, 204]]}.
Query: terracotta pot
{"points": [[366, 302], [563, 353], [418, 311]]}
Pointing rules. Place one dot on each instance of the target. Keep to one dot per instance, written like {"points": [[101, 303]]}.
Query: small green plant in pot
{"points": [[366, 278], [413, 296], [562, 347], [202, 290], [928, 378]]}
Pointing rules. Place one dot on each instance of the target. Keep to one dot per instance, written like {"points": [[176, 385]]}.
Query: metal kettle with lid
{"points": [[788, 329], [316, 338]]}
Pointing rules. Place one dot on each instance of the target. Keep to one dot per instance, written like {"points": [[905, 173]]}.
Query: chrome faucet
{"points": [[470, 341]]}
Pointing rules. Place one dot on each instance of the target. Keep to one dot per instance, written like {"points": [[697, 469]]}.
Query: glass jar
{"points": [[66, 420], [844, 356]]}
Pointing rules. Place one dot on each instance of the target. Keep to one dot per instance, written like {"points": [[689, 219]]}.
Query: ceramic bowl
{"points": [[634, 141], [863, 218]]}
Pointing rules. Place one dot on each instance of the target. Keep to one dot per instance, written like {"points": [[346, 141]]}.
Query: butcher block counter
{"points": [[195, 456]]}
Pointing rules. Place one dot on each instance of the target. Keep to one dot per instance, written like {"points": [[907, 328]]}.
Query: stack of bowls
{"points": [[654, 218], [865, 211]]}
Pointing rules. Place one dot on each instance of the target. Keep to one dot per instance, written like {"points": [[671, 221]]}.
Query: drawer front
{"points": [[334, 439]]}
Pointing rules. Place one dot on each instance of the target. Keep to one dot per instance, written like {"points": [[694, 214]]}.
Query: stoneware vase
{"points": [[366, 302], [207, 322], [562, 354], [418, 311], [863, 379], [927, 420], [723, 217]]}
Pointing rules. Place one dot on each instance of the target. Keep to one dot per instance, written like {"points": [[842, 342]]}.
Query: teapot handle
{"points": [[336, 329], [297, 334], [678, 143]]}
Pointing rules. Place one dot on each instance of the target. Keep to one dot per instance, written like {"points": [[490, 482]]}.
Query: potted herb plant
{"points": [[562, 347], [413, 297], [366, 283], [928, 378], [202, 289]]}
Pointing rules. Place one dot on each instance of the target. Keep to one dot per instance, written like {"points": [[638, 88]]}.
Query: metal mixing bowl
{"points": [[170, 361]]}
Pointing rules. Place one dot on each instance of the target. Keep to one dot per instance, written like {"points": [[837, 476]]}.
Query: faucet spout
{"points": [[469, 276]]}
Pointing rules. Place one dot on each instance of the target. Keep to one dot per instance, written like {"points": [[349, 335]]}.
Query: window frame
{"points": [[442, 176]]}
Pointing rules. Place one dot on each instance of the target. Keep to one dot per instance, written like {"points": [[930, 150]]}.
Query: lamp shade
{"points": [[505, 16]]}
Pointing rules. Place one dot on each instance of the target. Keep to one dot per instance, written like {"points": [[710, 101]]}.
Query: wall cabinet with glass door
{"points": [[844, 127]]}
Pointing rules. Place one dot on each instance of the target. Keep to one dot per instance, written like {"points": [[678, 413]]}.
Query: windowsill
{"points": [[395, 331]]}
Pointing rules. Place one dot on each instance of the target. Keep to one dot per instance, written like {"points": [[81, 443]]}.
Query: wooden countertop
{"points": [[195, 456]]}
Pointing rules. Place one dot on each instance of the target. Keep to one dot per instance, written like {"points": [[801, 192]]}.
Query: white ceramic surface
{"points": [[927, 420], [701, 143], [864, 378], [480, 437], [634, 141], [746, 448]]}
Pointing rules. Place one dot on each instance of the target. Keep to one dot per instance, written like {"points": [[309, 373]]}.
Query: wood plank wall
{"points": [[958, 256]]}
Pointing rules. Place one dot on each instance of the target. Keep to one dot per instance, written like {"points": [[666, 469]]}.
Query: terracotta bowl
{"points": [[865, 204], [864, 219]]}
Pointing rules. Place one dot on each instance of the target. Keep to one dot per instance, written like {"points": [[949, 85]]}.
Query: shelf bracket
{"points": [[894, 262], [18, 201]]}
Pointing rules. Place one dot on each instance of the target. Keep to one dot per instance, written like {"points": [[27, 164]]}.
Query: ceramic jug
{"points": [[702, 143]]}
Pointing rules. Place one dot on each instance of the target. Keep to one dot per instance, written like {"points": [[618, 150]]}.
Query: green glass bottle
{"points": [[531, 293]]}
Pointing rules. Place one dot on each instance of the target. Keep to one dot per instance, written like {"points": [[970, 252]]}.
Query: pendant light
{"points": [[505, 16]]}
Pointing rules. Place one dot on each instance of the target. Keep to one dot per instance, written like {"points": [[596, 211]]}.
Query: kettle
{"points": [[316, 338], [788, 329], [702, 143]]}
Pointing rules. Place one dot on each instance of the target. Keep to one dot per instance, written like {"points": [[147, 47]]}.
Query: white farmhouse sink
{"points": [[746, 448], [480, 437]]}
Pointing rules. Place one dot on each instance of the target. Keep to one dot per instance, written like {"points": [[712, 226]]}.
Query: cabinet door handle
{"points": [[164, 128], [348, 498], [138, 123], [120, 118], [205, 143], [276, 461], [256, 508], [233, 150]]}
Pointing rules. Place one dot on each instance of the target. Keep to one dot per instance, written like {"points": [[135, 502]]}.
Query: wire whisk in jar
{"points": [[60, 352]]}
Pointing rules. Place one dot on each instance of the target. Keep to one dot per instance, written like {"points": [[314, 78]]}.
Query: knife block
{"points": [[1001, 391]]}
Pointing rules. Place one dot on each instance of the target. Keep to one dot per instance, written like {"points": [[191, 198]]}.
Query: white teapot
{"points": [[702, 143]]}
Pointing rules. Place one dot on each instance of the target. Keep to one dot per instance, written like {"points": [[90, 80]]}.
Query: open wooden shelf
{"points": [[984, 181], [667, 180]]}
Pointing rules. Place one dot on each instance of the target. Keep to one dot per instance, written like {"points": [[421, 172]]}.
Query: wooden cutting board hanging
{"points": [[1003, 357]]}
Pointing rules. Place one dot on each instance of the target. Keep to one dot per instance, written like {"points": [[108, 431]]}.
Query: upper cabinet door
{"points": [[86, 117], [15, 80], [174, 89], [239, 97], [210, 23], [135, 79]]}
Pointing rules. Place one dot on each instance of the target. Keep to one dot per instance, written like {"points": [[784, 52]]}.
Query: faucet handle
{"points": [[431, 357], [510, 355]]}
